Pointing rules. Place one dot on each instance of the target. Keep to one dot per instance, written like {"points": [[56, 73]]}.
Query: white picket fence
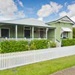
{"points": [[11, 60]]}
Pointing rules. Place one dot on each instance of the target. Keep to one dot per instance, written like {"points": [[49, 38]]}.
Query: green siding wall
{"points": [[51, 34], [20, 31], [69, 26], [58, 29]]}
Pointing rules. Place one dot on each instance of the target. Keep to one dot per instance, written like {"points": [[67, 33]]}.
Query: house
{"points": [[26, 29], [35, 29], [63, 28]]}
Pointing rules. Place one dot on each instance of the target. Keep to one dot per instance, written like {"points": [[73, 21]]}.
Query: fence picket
{"points": [[10, 60]]}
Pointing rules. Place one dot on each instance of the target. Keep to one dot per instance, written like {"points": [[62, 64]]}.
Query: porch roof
{"points": [[26, 22]]}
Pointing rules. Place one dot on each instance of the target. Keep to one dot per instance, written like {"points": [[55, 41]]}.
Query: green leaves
{"points": [[68, 42], [43, 44], [13, 46], [40, 44], [8, 46]]}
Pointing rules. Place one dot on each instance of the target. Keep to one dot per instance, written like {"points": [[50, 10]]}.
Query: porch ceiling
{"points": [[26, 22]]}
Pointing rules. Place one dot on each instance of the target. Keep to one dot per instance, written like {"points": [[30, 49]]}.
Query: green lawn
{"points": [[42, 68]]}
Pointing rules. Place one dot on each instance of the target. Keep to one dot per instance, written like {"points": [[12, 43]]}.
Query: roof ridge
{"points": [[62, 18]]}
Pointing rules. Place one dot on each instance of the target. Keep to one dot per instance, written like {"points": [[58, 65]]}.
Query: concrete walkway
{"points": [[69, 71]]}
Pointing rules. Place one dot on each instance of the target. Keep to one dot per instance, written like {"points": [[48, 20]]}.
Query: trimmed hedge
{"points": [[52, 44], [39, 44], [21, 45], [68, 42], [0, 47], [13, 46]]}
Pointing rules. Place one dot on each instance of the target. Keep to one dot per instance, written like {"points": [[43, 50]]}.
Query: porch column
{"points": [[32, 32], [55, 35], [16, 31], [46, 33]]}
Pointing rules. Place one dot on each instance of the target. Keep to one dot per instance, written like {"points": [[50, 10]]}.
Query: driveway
{"points": [[69, 71]]}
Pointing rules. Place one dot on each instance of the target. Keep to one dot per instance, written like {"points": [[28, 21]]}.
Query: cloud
{"points": [[40, 18], [44, 11], [66, 3], [20, 3], [9, 9], [4, 18], [70, 11], [73, 18], [49, 9], [20, 14], [63, 13], [30, 10]]}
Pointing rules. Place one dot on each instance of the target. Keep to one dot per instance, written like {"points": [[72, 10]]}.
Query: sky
{"points": [[45, 10]]}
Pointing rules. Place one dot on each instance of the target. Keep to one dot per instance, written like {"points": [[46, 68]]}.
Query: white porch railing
{"points": [[28, 39], [11, 60]]}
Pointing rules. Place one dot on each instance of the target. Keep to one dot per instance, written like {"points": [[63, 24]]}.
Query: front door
{"points": [[5, 33], [27, 33], [41, 34]]}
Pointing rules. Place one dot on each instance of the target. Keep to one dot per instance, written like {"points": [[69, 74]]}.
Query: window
{"points": [[64, 35], [5, 33]]}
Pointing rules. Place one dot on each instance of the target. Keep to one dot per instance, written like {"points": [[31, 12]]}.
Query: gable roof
{"points": [[64, 19], [27, 22]]}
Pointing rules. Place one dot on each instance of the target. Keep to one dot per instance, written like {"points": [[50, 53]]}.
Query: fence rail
{"points": [[11, 60], [29, 39]]}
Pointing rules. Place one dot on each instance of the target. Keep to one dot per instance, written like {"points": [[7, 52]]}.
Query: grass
{"points": [[42, 68]]}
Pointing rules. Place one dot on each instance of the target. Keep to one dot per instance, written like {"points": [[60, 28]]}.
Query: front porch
{"points": [[20, 32]]}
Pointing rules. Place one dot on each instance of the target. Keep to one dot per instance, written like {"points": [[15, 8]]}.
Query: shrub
{"points": [[21, 45], [52, 44], [13, 46], [33, 46], [73, 32], [0, 47], [39, 44], [42, 44], [68, 42]]}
